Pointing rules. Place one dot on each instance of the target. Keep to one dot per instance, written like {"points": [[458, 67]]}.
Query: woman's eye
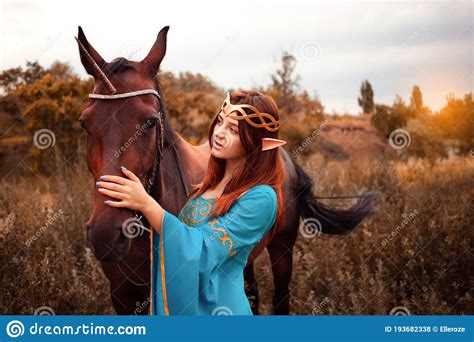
{"points": [[233, 130]]}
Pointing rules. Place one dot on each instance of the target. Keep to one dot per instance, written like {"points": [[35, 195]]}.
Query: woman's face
{"points": [[225, 139]]}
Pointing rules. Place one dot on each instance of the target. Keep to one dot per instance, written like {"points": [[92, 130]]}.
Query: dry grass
{"points": [[426, 266], [44, 259]]}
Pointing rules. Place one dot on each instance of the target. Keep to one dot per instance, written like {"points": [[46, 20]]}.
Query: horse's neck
{"points": [[181, 166]]}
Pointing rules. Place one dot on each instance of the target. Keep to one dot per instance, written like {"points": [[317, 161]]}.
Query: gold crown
{"points": [[228, 107]]}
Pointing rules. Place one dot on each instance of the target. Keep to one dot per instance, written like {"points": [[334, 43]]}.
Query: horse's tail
{"points": [[331, 220]]}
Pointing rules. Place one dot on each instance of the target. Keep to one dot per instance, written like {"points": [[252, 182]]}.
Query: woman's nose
{"points": [[217, 138], [219, 133]]}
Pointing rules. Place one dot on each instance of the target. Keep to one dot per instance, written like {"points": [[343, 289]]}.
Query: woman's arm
{"points": [[133, 196], [154, 213]]}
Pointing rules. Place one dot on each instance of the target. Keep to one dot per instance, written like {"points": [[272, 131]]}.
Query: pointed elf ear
{"points": [[270, 143]]}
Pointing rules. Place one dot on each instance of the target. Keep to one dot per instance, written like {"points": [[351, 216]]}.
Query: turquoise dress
{"points": [[198, 262]]}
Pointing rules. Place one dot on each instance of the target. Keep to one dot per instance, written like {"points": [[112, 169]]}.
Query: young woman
{"points": [[199, 256]]}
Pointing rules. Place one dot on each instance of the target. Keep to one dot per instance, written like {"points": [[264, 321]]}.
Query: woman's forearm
{"points": [[154, 213]]}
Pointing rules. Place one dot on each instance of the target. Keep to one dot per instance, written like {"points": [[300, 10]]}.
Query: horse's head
{"points": [[120, 131]]}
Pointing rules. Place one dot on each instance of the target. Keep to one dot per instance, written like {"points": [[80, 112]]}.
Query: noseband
{"points": [[160, 140]]}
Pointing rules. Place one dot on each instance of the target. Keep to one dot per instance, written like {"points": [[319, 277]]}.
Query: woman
{"points": [[199, 256]]}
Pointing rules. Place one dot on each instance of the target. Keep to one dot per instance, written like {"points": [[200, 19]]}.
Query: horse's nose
{"points": [[107, 240]]}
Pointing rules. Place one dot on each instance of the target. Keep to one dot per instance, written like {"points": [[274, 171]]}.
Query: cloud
{"points": [[393, 44]]}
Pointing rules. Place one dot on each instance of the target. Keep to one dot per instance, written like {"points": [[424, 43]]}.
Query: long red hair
{"points": [[259, 167]]}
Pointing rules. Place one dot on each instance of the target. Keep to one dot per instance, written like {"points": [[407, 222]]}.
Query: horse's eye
{"points": [[150, 123]]}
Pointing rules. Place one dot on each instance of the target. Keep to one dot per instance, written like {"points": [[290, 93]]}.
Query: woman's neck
{"points": [[231, 166]]}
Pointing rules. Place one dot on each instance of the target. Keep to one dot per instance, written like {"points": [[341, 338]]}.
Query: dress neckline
{"points": [[215, 198], [208, 199]]}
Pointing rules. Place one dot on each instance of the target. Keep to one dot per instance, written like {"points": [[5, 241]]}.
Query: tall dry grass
{"points": [[416, 251], [44, 260]]}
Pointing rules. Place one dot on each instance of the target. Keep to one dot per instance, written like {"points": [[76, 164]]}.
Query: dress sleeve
{"points": [[176, 264], [184, 257], [249, 218]]}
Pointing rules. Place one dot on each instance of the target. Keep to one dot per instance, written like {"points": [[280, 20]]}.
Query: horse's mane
{"points": [[119, 65]]}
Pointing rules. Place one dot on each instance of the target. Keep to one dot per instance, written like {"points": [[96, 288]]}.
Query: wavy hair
{"points": [[258, 167]]}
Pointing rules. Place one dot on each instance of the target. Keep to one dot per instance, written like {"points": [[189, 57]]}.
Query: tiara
{"points": [[273, 125], [227, 108]]}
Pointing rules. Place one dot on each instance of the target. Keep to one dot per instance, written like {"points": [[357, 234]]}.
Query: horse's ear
{"points": [[157, 52], [92, 52]]}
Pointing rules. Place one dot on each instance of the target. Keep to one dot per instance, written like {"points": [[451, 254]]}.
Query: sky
{"points": [[239, 44]]}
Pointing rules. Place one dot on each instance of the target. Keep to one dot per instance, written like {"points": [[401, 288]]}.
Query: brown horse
{"points": [[112, 141]]}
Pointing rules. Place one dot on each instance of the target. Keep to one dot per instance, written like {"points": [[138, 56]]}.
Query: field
{"points": [[415, 252]]}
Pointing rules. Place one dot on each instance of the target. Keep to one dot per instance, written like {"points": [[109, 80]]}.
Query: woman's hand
{"points": [[130, 191]]}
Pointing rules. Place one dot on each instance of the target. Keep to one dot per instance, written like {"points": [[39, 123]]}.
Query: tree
{"points": [[401, 111], [286, 84], [416, 103], [416, 99], [11, 79], [49, 101], [192, 100], [366, 100], [382, 119], [456, 121], [426, 141], [312, 105]]}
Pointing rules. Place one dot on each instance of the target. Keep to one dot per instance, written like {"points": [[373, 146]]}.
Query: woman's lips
{"points": [[218, 146]]}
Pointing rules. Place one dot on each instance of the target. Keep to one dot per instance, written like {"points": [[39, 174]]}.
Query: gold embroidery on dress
{"points": [[224, 238], [189, 212]]}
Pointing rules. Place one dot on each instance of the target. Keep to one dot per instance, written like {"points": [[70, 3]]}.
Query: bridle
{"points": [[160, 146], [160, 140]]}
